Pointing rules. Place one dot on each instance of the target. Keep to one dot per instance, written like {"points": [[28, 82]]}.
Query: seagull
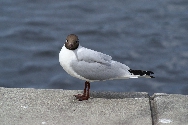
{"points": [[90, 65]]}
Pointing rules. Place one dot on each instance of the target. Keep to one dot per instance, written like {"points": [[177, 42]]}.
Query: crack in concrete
{"points": [[151, 103]]}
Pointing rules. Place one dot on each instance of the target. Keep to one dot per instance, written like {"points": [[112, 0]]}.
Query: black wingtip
{"points": [[141, 73], [152, 76]]}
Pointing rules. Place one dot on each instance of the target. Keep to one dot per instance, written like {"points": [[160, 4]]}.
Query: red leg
{"points": [[88, 88], [85, 89], [85, 95]]}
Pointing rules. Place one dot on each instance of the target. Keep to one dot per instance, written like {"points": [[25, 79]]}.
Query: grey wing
{"points": [[94, 65], [89, 55], [99, 71]]}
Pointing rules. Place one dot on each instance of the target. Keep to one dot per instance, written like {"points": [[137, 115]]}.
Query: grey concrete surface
{"points": [[59, 107], [21, 106], [170, 109]]}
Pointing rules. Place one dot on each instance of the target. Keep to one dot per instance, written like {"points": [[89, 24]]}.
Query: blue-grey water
{"points": [[143, 34]]}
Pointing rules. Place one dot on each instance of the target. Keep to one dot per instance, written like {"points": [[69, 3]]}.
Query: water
{"points": [[143, 34]]}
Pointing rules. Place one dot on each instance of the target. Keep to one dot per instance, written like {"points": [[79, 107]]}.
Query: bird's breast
{"points": [[65, 58]]}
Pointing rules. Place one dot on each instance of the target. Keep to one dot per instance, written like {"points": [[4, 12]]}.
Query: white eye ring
{"points": [[66, 40]]}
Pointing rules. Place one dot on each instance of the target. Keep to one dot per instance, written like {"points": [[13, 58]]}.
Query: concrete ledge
{"points": [[171, 109], [59, 107]]}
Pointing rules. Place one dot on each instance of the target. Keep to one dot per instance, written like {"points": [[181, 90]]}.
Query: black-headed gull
{"points": [[90, 65]]}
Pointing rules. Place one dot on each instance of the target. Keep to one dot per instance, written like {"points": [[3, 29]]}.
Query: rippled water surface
{"points": [[143, 34]]}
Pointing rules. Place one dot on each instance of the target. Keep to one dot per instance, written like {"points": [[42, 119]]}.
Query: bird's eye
{"points": [[66, 40], [77, 41]]}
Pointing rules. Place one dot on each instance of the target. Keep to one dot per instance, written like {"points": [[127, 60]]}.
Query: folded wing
{"points": [[90, 56], [94, 65]]}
